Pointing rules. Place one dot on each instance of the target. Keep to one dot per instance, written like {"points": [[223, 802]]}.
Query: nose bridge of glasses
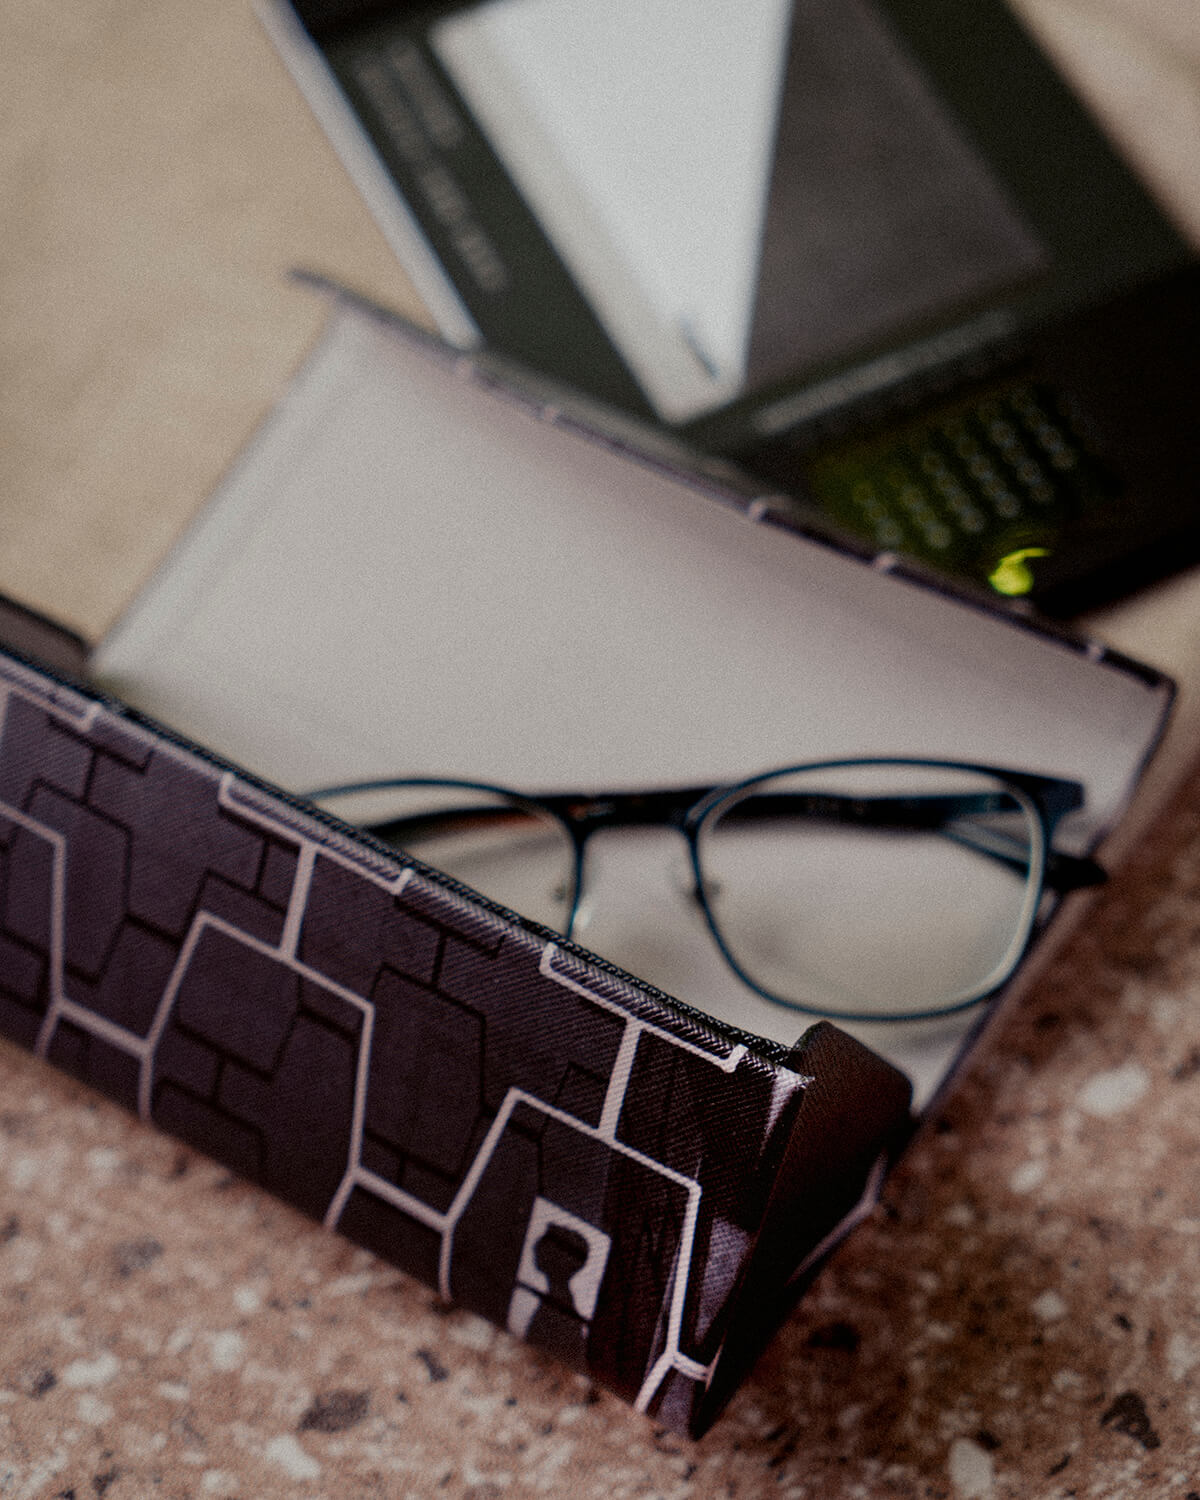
{"points": [[638, 900], [583, 816]]}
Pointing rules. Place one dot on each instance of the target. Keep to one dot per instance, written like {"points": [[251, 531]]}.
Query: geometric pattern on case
{"points": [[533, 1137]]}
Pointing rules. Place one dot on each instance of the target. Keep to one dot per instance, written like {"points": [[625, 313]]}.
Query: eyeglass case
{"points": [[541, 1138], [409, 568]]}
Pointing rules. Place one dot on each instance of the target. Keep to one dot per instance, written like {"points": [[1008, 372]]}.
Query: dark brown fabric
{"points": [[541, 1139]]}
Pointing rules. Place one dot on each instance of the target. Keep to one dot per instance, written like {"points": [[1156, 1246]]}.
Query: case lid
{"points": [[411, 572]]}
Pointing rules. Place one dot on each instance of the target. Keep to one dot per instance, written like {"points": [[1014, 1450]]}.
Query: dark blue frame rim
{"points": [[1025, 782]]}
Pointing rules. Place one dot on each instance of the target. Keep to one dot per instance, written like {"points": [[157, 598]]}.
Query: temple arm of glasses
{"points": [[935, 812], [1061, 872], [442, 821]]}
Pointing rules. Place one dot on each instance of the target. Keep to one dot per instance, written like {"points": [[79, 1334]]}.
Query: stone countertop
{"points": [[1021, 1316]]}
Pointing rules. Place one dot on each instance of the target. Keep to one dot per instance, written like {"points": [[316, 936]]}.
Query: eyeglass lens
{"points": [[880, 889], [507, 849]]}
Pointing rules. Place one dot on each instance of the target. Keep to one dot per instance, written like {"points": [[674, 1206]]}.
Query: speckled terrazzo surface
{"points": [[1021, 1318]]}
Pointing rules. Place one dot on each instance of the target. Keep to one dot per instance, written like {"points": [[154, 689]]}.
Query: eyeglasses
{"points": [[860, 890]]}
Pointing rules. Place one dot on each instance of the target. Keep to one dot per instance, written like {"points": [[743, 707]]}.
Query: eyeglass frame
{"points": [[686, 810]]}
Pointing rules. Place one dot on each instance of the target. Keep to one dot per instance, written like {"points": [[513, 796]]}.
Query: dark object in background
{"points": [[966, 333]]}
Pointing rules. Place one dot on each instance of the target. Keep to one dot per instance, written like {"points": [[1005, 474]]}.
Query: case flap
{"points": [[537, 1136]]}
